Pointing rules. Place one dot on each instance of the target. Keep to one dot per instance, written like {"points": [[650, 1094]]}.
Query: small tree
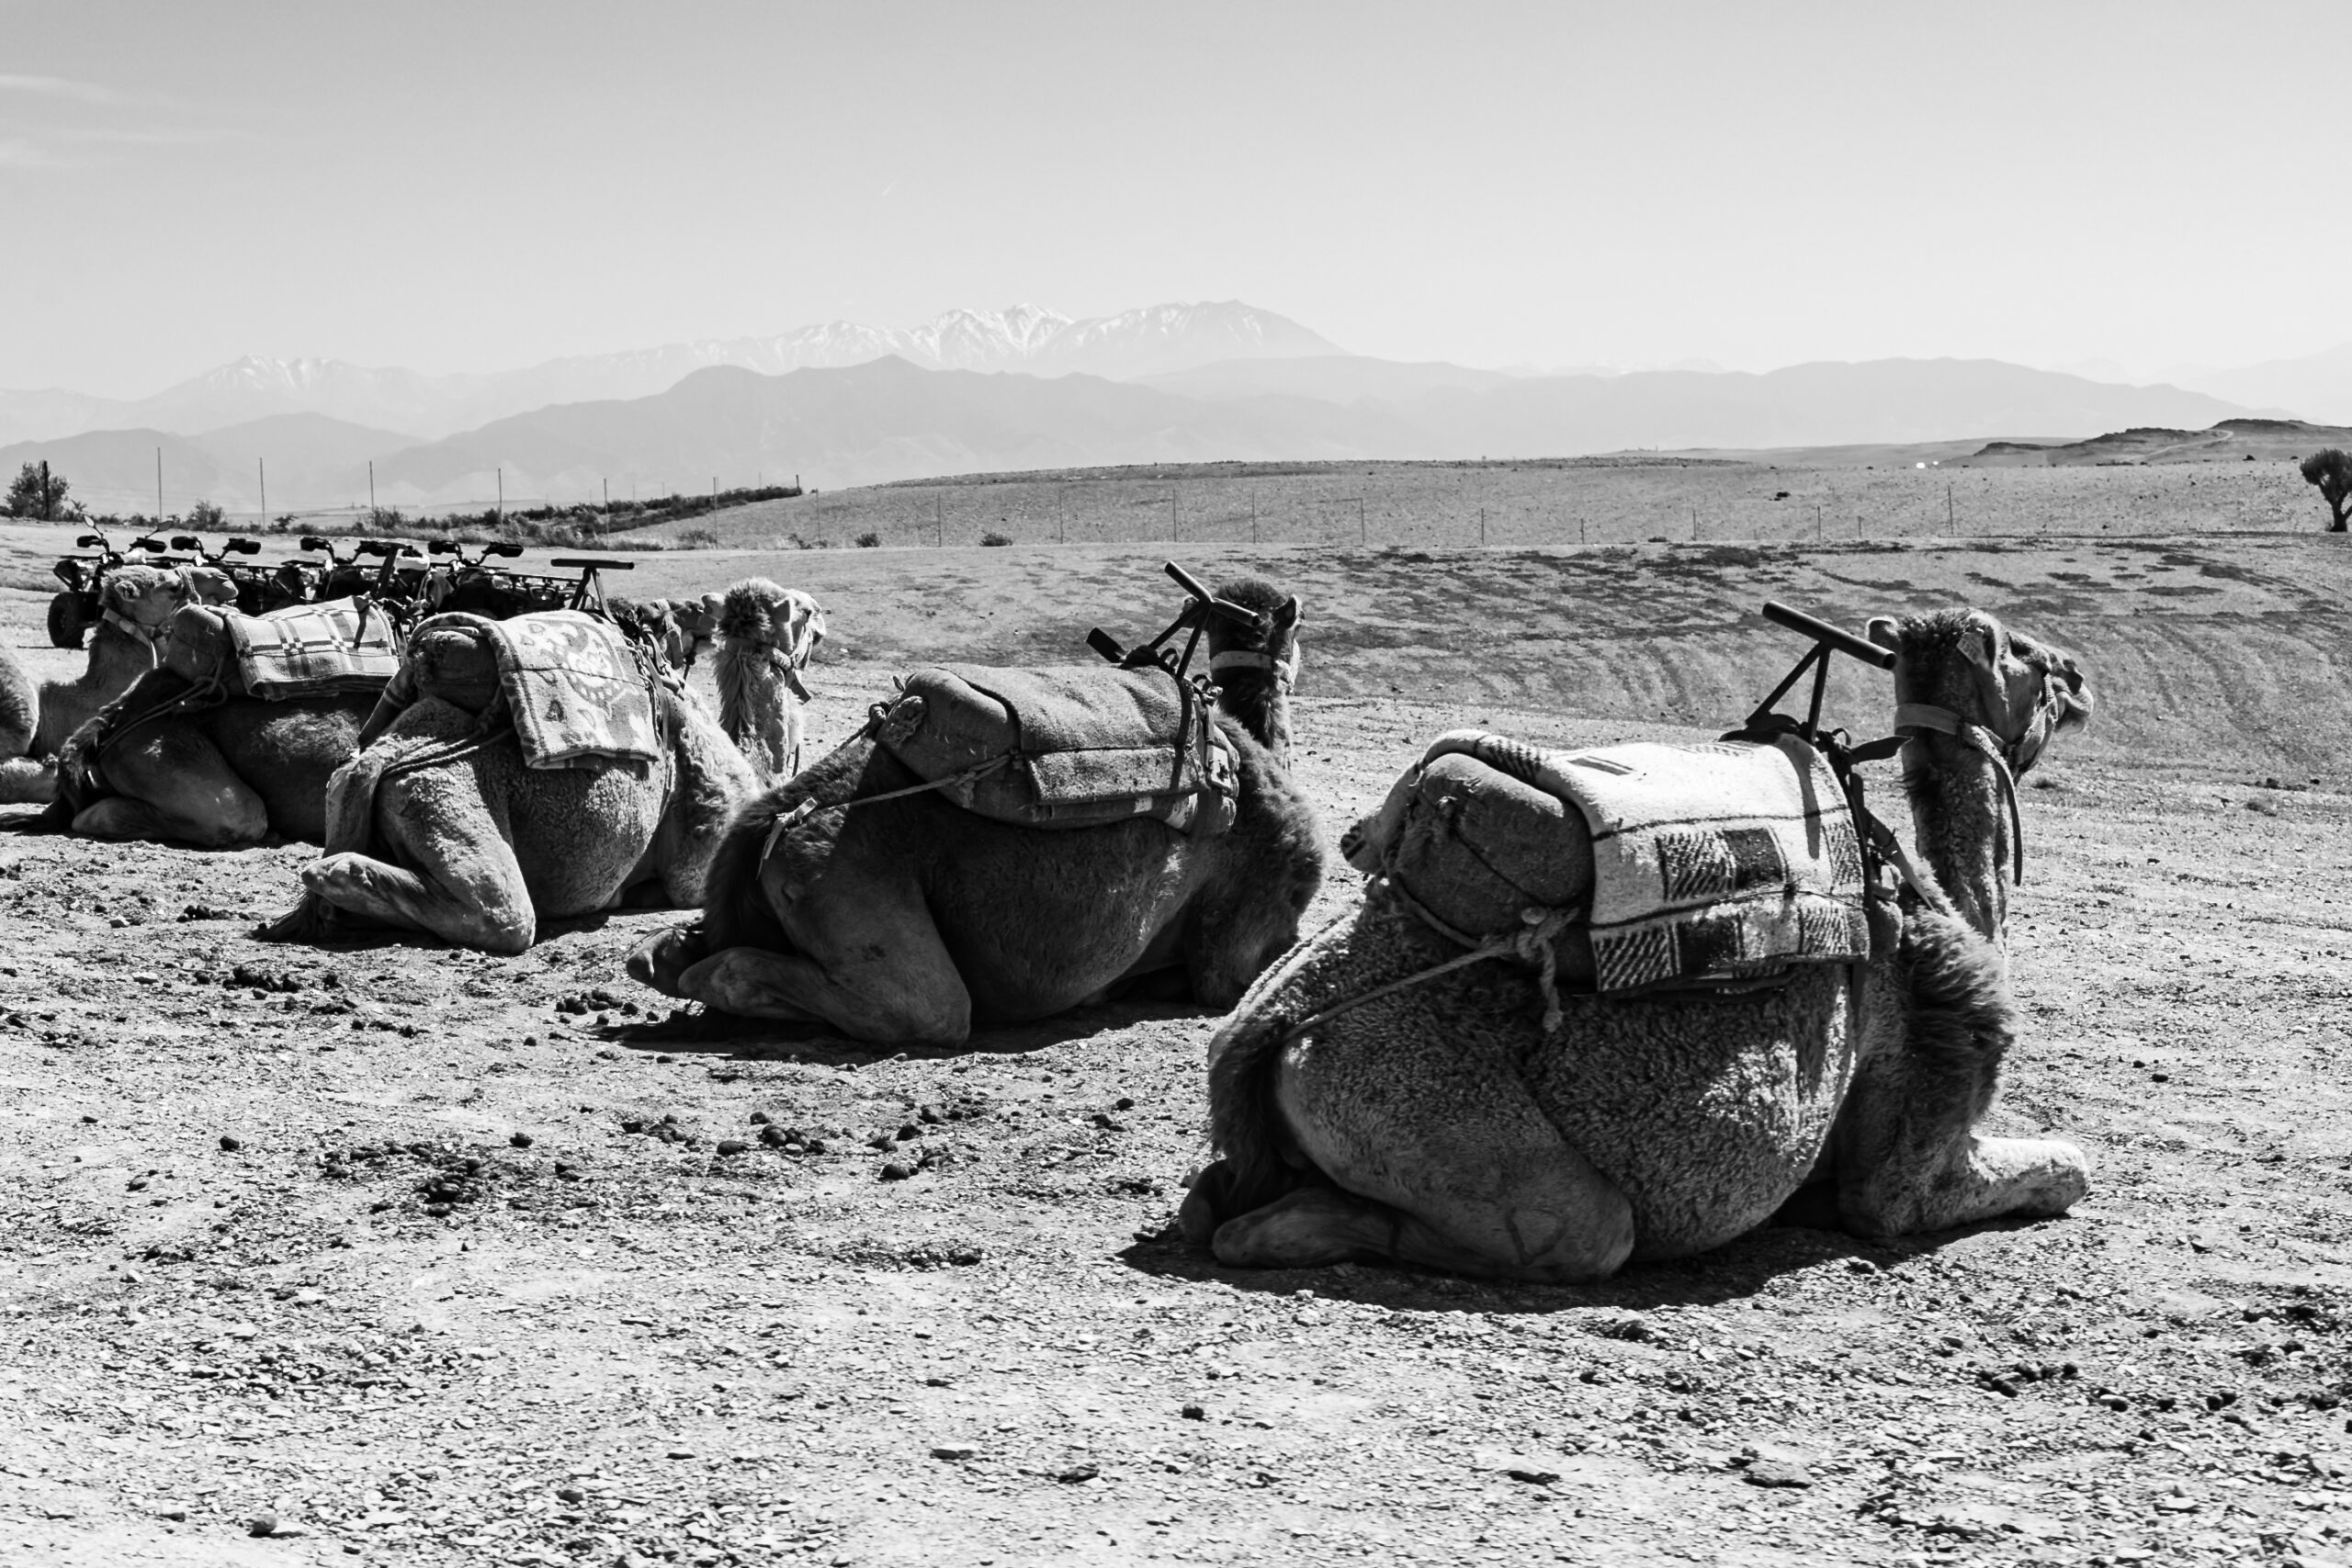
{"points": [[37, 492], [2332, 471], [206, 516]]}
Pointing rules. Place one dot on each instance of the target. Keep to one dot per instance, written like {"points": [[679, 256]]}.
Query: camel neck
{"points": [[112, 646], [1962, 828], [1256, 700]]}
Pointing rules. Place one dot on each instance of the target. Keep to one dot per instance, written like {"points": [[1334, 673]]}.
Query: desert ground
{"points": [[398, 1254], [1869, 494]]}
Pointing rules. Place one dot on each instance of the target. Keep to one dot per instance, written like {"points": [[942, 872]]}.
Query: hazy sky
{"points": [[483, 185]]}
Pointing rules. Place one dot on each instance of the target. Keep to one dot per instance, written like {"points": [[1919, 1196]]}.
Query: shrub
{"points": [[37, 492], [993, 537], [206, 517], [2331, 470], [697, 539], [868, 541]]}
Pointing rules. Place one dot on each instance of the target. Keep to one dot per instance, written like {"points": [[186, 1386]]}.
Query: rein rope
{"points": [[1911, 718], [811, 806], [1530, 945]]}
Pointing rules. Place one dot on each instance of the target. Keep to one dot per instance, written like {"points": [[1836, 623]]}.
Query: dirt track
{"points": [[622, 1344]]}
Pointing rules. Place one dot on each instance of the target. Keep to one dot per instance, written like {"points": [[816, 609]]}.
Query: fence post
{"points": [[1360, 530]]}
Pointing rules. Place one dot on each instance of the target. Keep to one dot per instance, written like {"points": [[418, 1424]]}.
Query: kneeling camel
{"points": [[1438, 1125], [907, 920]]}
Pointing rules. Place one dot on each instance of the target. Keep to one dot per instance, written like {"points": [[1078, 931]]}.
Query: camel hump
{"points": [[1673, 865], [1067, 747]]}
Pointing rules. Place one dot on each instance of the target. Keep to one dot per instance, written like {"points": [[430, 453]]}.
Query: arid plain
{"points": [[640, 1331]]}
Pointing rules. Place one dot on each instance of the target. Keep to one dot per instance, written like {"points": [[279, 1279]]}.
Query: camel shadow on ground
{"points": [[701, 1031], [1742, 1270]]}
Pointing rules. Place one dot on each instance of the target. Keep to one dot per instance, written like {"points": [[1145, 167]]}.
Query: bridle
{"points": [[1915, 720], [1285, 669]]}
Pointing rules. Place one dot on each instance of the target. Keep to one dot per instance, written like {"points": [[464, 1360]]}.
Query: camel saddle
{"points": [[1711, 865], [1066, 748], [303, 650], [569, 682]]}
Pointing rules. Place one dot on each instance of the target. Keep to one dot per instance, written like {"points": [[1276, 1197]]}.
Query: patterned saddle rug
{"points": [[1694, 864], [1066, 748], [569, 681], [304, 651]]}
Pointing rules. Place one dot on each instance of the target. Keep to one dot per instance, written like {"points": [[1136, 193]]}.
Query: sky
{"points": [[477, 187]]}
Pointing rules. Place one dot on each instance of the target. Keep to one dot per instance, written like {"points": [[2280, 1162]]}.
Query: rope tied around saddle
{"points": [[1532, 944], [809, 806]]}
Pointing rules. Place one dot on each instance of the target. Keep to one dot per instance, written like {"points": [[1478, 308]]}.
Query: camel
{"points": [[768, 636], [905, 920], [135, 605], [23, 779], [1438, 1125], [438, 825]]}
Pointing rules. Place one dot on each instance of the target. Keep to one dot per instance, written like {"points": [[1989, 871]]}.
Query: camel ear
{"points": [[1883, 631], [1288, 615]]}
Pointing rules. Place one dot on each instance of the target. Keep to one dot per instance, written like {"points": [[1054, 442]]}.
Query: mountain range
{"points": [[1157, 338], [1024, 388]]}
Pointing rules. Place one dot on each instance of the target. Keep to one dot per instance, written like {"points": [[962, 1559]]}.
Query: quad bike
{"points": [[397, 581], [474, 585], [74, 611]]}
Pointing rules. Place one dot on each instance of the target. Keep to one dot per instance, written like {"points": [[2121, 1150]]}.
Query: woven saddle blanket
{"points": [[570, 683], [1067, 747], [343, 645], [1695, 865]]}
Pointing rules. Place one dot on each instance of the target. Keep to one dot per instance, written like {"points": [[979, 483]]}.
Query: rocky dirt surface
{"points": [[392, 1253]]}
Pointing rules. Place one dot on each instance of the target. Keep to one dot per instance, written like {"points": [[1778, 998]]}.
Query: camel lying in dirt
{"points": [[1438, 1125], [438, 825], [136, 604], [905, 920]]}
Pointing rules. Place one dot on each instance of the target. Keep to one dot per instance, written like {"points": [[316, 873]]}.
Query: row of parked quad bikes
{"points": [[444, 575]]}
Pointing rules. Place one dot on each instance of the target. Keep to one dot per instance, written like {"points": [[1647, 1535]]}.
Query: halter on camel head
{"points": [[1202, 606], [2002, 666]]}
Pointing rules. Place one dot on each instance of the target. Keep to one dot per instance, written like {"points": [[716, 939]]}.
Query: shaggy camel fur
{"points": [[23, 780], [767, 637], [907, 920], [1438, 1126], [478, 848], [135, 605]]}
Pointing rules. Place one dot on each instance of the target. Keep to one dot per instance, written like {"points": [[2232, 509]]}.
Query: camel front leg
{"points": [[24, 782], [752, 982], [1908, 1160], [490, 914], [171, 783]]}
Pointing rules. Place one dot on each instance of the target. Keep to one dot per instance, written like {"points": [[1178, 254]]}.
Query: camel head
{"points": [[1959, 668], [1256, 666], [767, 634], [149, 596]]}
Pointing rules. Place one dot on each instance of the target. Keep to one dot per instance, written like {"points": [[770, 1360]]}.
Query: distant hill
{"points": [[312, 460], [2318, 385], [1883, 400], [2232, 440], [1026, 338], [1336, 378], [866, 424]]}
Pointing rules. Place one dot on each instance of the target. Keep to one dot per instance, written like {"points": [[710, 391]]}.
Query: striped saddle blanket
{"points": [[1692, 865], [304, 651]]}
